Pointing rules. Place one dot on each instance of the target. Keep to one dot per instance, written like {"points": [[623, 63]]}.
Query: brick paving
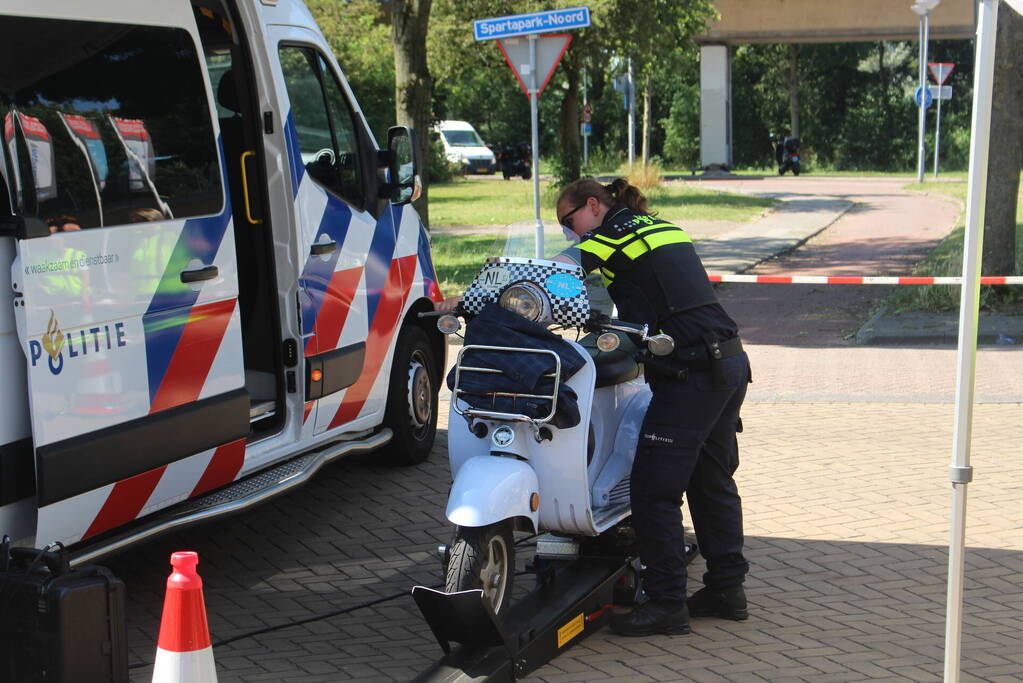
{"points": [[847, 509]]}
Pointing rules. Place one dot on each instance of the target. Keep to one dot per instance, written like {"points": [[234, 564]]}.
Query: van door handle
{"points": [[199, 274], [321, 248]]}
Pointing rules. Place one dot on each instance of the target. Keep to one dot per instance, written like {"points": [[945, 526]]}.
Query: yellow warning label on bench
{"points": [[571, 630]]}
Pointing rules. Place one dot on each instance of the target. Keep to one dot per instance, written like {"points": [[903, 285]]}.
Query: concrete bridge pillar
{"points": [[715, 106]]}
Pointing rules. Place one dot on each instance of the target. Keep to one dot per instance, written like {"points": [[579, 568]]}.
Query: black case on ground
{"points": [[59, 624]]}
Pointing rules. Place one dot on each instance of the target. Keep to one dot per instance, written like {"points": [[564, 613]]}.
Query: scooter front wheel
{"points": [[483, 558]]}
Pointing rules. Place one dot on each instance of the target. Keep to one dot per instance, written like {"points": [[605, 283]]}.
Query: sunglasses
{"points": [[566, 220]]}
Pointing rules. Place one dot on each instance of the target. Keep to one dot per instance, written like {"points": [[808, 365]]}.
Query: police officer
{"points": [[687, 442]]}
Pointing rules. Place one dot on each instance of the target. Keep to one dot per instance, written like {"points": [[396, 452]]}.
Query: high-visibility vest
{"points": [[650, 266]]}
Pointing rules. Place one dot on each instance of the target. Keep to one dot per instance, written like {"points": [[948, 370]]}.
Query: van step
{"points": [[258, 411], [233, 498]]}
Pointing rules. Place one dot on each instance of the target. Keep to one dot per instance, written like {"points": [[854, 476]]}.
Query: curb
{"points": [[936, 329]]}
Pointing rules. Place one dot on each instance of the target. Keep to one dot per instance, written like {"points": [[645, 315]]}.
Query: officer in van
{"points": [[687, 443]]}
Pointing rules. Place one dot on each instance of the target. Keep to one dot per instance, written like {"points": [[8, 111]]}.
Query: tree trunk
{"points": [[646, 121], [793, 83], [413, 87], [1006, 154], [569, 123]]}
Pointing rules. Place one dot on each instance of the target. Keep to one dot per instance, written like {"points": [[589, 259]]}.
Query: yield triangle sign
{"points": [[940, 70], [549, 49]]}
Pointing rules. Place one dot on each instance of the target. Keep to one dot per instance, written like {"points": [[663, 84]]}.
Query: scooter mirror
{"points": [[448, 324], [608, 341], [660, 345]]}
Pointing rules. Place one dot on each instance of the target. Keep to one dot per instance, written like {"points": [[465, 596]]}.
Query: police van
{"points": [[215, 274]]}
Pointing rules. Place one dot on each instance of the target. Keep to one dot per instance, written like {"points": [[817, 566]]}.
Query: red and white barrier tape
{"points": [[853, 280]]}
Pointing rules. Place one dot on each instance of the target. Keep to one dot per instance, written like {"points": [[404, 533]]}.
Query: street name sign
{"points": [[535, 22]]}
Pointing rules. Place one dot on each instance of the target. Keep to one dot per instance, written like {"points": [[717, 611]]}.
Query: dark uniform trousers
{"points": [[688, 445]]}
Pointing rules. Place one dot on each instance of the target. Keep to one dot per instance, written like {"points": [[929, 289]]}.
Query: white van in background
{"points": [[463, 145]]}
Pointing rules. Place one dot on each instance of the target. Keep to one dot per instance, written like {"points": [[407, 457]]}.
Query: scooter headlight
{"points": [[523, 300]]}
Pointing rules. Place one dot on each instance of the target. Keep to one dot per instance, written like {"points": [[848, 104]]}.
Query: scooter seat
{"points": [[613, 367]]}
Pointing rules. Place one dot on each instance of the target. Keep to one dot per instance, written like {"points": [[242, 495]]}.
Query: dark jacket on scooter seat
{"points": [[521, 373]]}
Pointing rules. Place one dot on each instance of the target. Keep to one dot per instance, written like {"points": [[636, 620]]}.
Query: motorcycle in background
{"points": [[786, 153], [515, 160]]}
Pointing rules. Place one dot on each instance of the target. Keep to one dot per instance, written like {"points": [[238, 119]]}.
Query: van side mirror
{"points": [[403, 183]]}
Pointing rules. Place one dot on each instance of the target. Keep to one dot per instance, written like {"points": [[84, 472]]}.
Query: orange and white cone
{"points": [[184, 653]]}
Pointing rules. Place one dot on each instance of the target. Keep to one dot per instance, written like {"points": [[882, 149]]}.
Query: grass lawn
{"points": [[947, 259], [499, 202]]}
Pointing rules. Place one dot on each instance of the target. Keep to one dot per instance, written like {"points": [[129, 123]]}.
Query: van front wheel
{"points": [[412, 398]]}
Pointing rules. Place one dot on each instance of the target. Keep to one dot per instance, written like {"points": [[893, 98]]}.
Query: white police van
{"points": [[215, 274]]}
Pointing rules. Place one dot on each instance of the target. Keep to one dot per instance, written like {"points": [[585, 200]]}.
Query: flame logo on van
{"points": [[53, 340]]}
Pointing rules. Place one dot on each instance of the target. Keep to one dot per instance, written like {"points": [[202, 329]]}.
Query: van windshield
{"points": [[463, 138], [101, 121]]}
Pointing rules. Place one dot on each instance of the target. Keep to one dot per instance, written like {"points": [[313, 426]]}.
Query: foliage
{"points": [[646, 178], [440, 169], [947, 259], [359, 33]]}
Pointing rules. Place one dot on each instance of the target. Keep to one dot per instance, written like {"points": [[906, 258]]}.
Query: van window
{"points": [[324, 123], [105, 124], [463, 138]]}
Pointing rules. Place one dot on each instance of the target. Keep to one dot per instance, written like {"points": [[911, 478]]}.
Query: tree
{"points": [[1006, 154], [359, 34], [413, 87]]}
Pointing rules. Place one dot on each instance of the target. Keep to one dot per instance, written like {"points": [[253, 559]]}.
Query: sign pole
{"points": [[534, 118], [586, 138], [960, 472], [937, 135], [632, 118], [922, 121]]}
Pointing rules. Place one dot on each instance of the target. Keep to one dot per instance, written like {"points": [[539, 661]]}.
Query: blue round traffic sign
{"points": [[928, 97]]}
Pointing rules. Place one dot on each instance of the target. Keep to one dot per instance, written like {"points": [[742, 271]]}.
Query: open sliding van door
{"points": [[126, 303]]}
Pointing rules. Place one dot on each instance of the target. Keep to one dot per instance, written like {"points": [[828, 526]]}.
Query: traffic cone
{"points": [[184, 654]]}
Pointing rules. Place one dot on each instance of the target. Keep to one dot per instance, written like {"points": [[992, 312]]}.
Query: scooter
{"points": [[515, 469], [515, 160], [786, 153]]}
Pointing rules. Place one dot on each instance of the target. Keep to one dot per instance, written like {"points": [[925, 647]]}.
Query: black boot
{"points": [[652, 618], [726, 603]]}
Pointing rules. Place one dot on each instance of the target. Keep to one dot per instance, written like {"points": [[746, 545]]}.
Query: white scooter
{"points": [[517, 472]]}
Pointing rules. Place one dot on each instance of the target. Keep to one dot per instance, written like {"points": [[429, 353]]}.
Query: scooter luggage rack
{"points": [[476, 413]]}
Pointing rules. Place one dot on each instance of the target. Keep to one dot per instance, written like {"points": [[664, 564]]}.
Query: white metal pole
{"points": [[937, 135], [960, 472], [632, 118], [534, 117], [922, 118]]}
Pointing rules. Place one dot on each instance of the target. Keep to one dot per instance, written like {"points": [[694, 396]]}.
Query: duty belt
{"points": [[706, 357], [710, 356], [710, 350]]}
